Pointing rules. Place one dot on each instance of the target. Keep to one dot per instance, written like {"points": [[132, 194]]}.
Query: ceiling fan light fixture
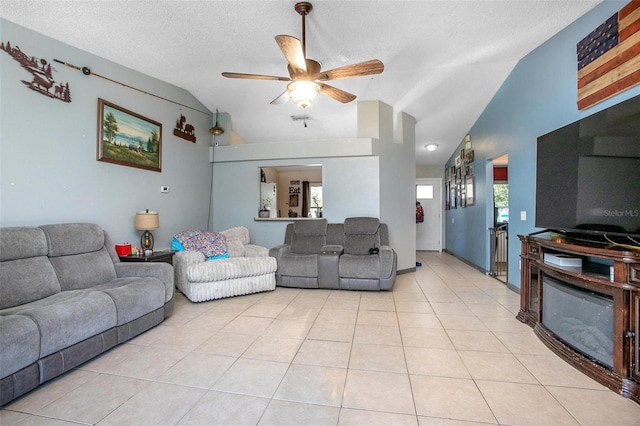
{"points": [[303, 92], [431, 147]]}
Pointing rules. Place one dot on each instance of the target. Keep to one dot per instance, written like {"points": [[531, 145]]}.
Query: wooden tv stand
{"points": [[621, 281]]}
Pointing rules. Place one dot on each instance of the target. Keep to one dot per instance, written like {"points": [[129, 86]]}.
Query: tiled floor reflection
{"points": [[443, 348]]}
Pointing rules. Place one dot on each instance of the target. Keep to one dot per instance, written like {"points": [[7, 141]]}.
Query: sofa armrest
{"points": [[329, 266], [181, 262], [332, 249], [253, 250], [162, 271], [279, 251], [387, 261]]}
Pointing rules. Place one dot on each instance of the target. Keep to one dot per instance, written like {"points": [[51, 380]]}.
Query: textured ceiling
{"points": [[444, 60]]}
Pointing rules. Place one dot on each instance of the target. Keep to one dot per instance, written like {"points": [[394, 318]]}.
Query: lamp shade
{"points": [[147, 220]]}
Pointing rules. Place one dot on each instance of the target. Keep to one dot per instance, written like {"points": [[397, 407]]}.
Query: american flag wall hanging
{"points": [[609, 57]]}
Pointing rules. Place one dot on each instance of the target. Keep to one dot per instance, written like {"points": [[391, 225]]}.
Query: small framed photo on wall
{"points": [[470, 184]]}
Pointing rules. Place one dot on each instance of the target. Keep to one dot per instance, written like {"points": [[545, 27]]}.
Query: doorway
{"points": [[429, 232], [499, 232]]}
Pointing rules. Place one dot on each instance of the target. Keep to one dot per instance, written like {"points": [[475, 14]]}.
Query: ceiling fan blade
{"points": [[292, 50], [284, 97], [373, 66], [254, 76], [335, 93]]}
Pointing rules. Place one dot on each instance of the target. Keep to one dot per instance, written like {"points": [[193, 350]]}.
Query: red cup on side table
{"points": [[123, 249]]}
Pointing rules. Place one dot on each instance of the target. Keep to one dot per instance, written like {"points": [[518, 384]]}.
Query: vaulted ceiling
{"points": [[444, 60]]}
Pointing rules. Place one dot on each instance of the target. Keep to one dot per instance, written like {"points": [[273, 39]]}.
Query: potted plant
{"points": [[264, 211], [315, 203]]}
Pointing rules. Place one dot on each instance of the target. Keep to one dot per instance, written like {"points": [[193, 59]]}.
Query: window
{"points": [[315, 209], [424, 192], [501, 202]]}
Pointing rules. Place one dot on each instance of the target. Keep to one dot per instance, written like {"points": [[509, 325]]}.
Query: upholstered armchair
{"points": [[245, 268]]}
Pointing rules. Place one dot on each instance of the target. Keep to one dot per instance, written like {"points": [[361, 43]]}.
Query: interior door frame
{"points": [[436, 182]]}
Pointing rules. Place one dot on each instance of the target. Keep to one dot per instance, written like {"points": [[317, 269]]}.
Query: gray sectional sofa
{"points": [[65, 298], [354, 255]]}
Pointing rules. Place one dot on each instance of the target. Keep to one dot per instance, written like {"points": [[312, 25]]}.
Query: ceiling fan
{"points": [[306, 78]]}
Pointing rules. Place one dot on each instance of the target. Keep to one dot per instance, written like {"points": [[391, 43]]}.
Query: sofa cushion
{"points": [[354, 266], [22, 241], [307, 244], [26, 280], [78, 254], [361, 225], [235, 249], [335, 234], [66, 239], [360, 244], [310, 227], [134, 297], [20, 343], [308, 236], [361, 235], [226, 269], [84, 270], [239, 234], [69, 317], [299, 265]]}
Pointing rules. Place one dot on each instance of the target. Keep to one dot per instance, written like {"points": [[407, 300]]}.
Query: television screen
{"points": [[588, 174]]}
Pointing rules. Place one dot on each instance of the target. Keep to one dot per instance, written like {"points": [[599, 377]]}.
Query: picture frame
{"points": [[470, 191], [127, 138], [469, 169], [293, 200], [447, 196], [469, 157], [452, 197]]}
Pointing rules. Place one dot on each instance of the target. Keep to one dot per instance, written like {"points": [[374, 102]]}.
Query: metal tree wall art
{"points": [[42, 73], [184, 130]]}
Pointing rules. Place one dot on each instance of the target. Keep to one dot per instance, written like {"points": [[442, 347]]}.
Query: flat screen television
{"points": [[588, 174]]}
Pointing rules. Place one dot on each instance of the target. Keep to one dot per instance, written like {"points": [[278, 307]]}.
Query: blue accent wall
{"points": [[48, 167], [538, 96]]}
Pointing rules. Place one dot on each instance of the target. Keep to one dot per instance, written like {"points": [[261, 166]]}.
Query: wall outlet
{"points": [[523, 215], [164, 189]]}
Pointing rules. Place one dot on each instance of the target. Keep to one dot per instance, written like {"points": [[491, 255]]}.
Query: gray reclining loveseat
{"points": [[65, 298], [354, 255]]}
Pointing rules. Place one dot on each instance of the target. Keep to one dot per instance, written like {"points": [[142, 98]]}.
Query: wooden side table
{"points": [[156, 256]]}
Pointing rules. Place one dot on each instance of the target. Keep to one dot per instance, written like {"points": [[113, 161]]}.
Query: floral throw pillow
{"points": [[212, 244]]}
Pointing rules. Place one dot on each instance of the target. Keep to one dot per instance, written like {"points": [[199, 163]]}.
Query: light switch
{"points": [[523, 215]]}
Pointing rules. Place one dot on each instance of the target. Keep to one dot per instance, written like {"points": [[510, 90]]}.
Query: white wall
{"points": [[397, 174], [48, 167], [349, 185], [427, 172]]}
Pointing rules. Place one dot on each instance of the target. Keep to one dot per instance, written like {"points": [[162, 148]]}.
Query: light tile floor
{"points": [[443, 348]]}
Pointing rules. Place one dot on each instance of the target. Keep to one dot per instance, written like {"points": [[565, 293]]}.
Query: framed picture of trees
{"points": [[127, 138]]}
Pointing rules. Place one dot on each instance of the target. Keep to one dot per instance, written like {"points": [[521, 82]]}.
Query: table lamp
{"points": [[145, 221]]}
